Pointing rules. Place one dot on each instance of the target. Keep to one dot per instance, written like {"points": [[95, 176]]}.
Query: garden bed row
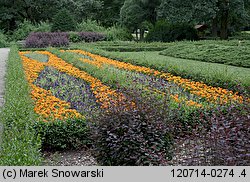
{"points": [[128, 114]]}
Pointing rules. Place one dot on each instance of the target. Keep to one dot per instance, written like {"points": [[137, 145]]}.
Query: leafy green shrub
{"points": [[23, 30], [3, 40], [116, 33], [91, 36], [61, 135], [26, 27], [165, 32], [63, 21], [20, 145], [113, 33], [74, 37], [43, 27], [89, 26]]}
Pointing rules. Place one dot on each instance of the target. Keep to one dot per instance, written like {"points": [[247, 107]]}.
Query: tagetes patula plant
{"points": [[104, 94], [214, 95], [45, 104]]}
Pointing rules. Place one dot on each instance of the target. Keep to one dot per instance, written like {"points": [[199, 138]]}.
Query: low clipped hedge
{"points": [[63, 135], [20, 144]]}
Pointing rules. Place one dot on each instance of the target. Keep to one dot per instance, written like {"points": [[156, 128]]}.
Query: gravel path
{"points": [[4, 53], [82, 157]]}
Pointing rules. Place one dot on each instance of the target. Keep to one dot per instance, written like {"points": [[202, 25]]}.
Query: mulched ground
{"points": [[185, 154]]}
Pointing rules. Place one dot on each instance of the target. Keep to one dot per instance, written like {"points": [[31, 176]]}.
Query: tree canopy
{"points": [[222, 16]]}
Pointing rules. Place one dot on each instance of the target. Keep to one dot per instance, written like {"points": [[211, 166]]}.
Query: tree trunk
{"points": [[215, 27], [224, 20], [137, 36], [141, 34]]}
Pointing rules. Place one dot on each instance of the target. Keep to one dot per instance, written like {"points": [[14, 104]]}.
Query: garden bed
{"points": [[126, 114]]}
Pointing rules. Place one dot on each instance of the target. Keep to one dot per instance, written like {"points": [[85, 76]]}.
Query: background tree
{"points": [[222, 15], [110, 13], [63, 21], [135, 14], [87, 9], [132, 15]]}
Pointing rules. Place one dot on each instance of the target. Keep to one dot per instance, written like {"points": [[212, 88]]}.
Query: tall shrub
{"points": [[90, 26], [26, 27], [63, 21], [116, 33], [23, 30], [166, 32]]}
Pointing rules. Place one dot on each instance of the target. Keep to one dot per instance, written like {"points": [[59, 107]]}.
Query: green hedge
{"points": [[62, 135], [210, 51], [20, 144], [169, 32]]}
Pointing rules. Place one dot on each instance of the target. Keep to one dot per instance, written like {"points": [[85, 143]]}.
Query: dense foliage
{"points": [[63, 135], [236, 55], [226, 143], [40, 39], [140, 136], [63, 22], [91, 36], [167, 32], [26, 27], [113, 33]]}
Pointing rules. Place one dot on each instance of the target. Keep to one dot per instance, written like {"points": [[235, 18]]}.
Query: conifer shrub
{"points": [[167, 32], [63, 21]]}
